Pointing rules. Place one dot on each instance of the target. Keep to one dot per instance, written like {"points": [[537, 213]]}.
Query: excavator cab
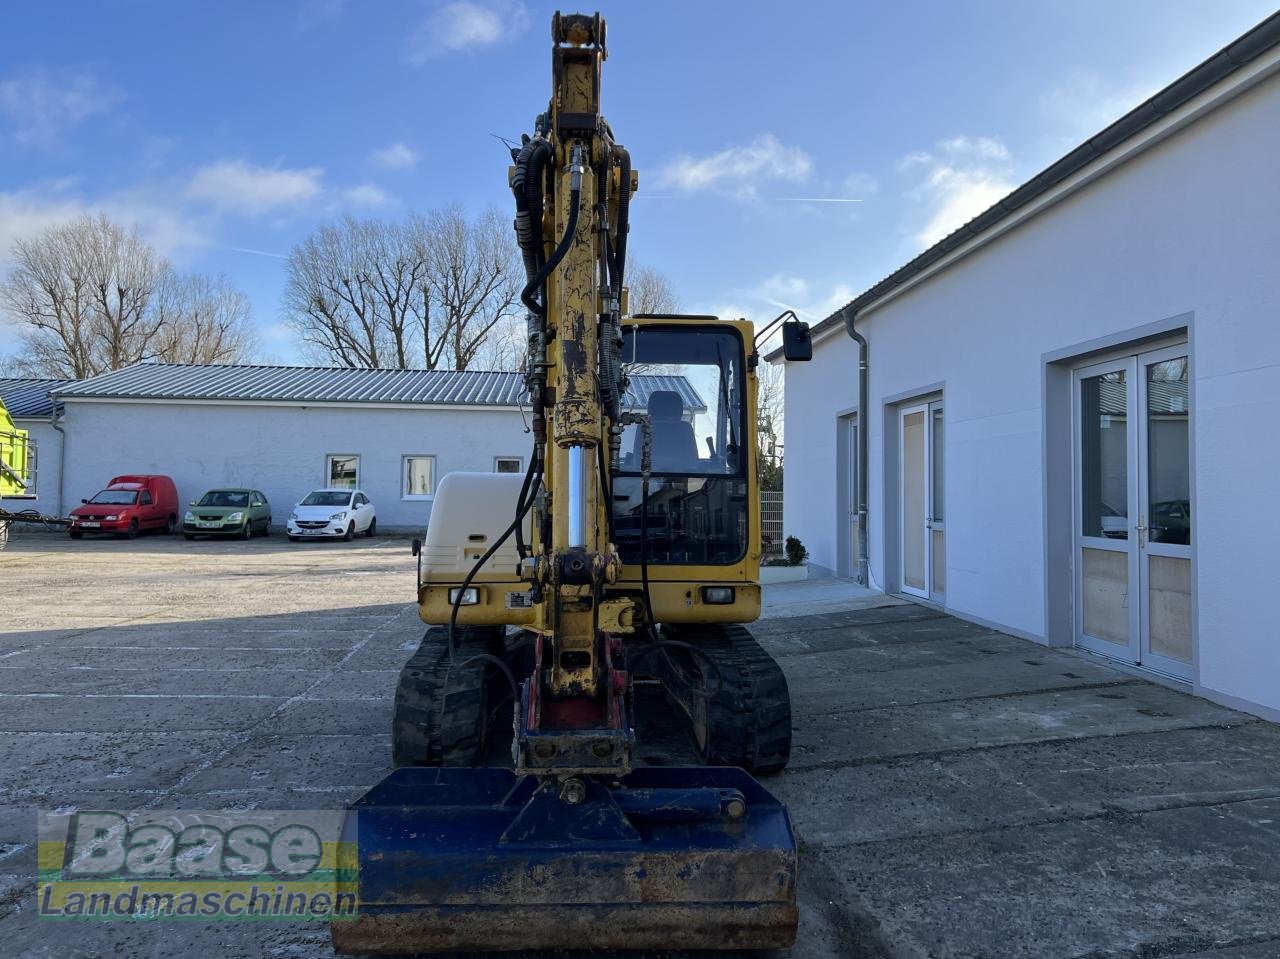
{"points": [[520, 815]]}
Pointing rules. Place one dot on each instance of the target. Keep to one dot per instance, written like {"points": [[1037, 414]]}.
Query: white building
{"points": [[1072, 401], [286, 430]]}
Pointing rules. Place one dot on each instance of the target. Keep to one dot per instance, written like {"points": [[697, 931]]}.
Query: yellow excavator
{"points": [[628, 553]]}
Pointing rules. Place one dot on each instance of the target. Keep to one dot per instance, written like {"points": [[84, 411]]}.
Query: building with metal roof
{"points": [[328, 384], [285, 430], [29, 398], [1061, 420]]}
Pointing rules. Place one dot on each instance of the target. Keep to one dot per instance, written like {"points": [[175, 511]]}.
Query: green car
{"points": [[228, 512]]}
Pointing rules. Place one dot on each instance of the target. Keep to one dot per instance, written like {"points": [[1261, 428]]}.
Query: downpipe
{"points": [[864, 408]]}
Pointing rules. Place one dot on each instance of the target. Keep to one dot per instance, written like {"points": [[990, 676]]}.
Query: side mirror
{"points": [[192, 503], [416, 547], [797, 344], [84, 501]]}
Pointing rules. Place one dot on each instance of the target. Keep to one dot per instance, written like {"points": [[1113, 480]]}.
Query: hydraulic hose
{"points": [[534, 476], [570, 230]]}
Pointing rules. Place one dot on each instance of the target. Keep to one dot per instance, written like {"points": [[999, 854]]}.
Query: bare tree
{"points": [[202, 320], [90, 296], [351, 291], [474, 276], [649, 291], [80, 294], [428, 292]]}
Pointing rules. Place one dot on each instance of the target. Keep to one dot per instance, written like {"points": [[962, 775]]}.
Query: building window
{"points": [[342, 470], [508, 464], [418, 477]]}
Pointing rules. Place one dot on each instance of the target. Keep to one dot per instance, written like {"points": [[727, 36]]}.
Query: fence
{"points": [[771, 521]]}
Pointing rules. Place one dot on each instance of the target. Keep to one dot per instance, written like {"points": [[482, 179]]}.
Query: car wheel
{"points": [[373, 527], [171, 526], [188, 536], [133, 529], [266, 527], [350, 534], [246, 531], [76, 534], [292, 538]]}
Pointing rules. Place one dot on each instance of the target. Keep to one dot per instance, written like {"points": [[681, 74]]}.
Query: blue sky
{"points": [[790, 154]]}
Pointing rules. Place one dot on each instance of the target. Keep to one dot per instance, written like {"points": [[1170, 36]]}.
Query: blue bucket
{"points": [[483, 859]]}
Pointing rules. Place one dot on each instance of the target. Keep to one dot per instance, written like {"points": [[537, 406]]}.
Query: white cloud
{"points": [[958, 179], [366, 194], [738, 170], [395, 156], [241, 187], [27, 211], [41, 108], [466, 25]]}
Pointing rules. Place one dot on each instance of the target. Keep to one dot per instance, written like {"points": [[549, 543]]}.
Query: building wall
{"points": [[1190, 227], [47, 466], [281, 449]]}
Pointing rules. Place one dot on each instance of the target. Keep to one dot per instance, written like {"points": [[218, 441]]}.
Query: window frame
{"points": [[519, 461], [405, 495], [328, 470]]}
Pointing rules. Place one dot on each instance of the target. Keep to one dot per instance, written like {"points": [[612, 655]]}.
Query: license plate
{"points": [[87, 523], [208, 525]]}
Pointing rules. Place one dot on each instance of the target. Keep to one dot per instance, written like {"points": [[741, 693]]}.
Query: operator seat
{"points": [[674, 446]]}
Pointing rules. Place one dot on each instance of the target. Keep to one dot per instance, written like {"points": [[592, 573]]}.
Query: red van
{"points": [[128, 505]]}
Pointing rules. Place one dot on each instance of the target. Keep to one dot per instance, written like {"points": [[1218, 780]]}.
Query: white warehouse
{"points": [[285, 430], [1071, 403]]}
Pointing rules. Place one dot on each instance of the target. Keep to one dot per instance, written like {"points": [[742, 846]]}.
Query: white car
{"points": [[332, 514]]}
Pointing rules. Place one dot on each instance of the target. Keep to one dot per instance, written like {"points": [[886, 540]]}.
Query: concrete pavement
{"points": [[957, 792]]}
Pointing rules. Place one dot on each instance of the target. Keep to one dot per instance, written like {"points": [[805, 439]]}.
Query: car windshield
{"points": [[326, 497], [224, 497], [116, 497]]}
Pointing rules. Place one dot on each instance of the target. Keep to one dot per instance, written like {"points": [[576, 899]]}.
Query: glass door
{"points": [[1106, 566], [1164, 517], [923, 532], [1133, 510]]}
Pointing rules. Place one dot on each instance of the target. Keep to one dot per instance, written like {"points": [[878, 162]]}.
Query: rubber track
{"points": [[749, 718], [434, 724]]}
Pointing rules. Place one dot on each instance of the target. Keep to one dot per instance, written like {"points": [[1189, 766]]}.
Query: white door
{"points": [[1133, 510], [922, 521]]}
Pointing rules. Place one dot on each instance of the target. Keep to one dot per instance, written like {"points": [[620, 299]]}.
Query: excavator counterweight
{"points": [[628, 552]]}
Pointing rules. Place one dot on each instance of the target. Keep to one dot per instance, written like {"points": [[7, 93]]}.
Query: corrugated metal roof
{"points": [[327, 384], [28, 397]]}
